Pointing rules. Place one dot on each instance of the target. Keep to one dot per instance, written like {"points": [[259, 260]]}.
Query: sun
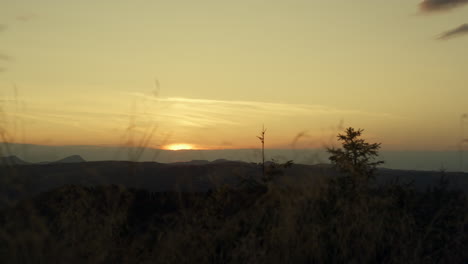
{"points": [[179, 146]]}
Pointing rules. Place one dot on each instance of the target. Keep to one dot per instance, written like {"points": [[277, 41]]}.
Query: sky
{"points": [[212, 73]]}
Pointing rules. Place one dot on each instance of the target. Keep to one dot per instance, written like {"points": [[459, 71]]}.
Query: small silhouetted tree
{"points": [[357, 157]]}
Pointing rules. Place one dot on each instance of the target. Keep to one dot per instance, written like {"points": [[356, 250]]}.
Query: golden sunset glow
{"points": [[213, 72], [179, 147]]}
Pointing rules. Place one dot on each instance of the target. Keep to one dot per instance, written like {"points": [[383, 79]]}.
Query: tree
{"points": [[357, 157]]}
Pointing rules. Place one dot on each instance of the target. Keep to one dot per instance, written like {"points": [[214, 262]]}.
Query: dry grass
{"points": [[310, 222]]}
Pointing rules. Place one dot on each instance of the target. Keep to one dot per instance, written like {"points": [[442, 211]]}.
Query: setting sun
{"points": [[179, 147]]}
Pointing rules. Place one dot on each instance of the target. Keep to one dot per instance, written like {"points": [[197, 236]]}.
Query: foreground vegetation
{"points": [[342, 219]]}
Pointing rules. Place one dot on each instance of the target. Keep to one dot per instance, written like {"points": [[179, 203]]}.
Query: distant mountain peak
{"points": [[71, 159]]}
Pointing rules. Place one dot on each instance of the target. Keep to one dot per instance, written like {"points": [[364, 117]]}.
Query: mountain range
{"points": [[450, 160], [14, 160], [196, 176]]}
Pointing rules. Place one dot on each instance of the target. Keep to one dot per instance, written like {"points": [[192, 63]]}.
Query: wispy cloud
{"points": [[456, 32], [256, 107], [201, 113], [200, 121], [440, 5]]}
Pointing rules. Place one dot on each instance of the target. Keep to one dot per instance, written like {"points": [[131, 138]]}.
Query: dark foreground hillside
{"points": [[283, 220], [22, 181]]}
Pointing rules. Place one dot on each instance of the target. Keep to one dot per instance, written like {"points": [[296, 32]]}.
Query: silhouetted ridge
{"points": [[192, 162], [71, 159], [12, 160]]}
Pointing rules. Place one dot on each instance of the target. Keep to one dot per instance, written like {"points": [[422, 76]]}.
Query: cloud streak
{"points": [[456, 32], [204, 113], [203, 122], [440, 5], [256, 107]]}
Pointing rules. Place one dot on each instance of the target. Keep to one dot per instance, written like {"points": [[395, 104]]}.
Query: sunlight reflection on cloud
{"points": [[186, 118]]}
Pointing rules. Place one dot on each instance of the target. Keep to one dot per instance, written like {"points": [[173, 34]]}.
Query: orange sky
{"points": [[85, 72]]}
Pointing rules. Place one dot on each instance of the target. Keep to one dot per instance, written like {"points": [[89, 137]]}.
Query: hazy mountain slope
{"points": [[12, 160], [71, 159]]}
